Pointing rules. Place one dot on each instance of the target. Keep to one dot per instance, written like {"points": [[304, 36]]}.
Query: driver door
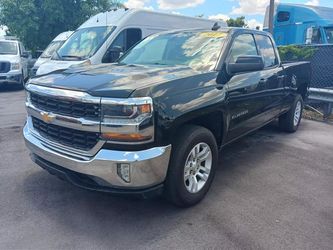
{"points": [[246, 92]]}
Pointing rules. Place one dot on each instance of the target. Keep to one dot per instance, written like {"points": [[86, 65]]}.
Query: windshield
{"points": [[8, 48], [53, 46], [329, 34], [198, 50], [83, 43]]}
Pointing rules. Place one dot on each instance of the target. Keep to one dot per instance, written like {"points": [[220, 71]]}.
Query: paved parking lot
{"points": [[272, 191]]}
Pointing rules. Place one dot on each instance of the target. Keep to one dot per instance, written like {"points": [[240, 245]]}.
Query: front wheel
{"points": [[290, 121], [192, 166]]}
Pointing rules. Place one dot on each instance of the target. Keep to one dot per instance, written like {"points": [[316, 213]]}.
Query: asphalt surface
{"points": [[272, 191]]}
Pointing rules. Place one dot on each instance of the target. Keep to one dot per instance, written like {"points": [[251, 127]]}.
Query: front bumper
{"points": [[148, 168], [10, 78]]}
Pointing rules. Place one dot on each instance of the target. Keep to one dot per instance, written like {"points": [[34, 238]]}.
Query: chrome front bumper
{"points": [[148, 168]]}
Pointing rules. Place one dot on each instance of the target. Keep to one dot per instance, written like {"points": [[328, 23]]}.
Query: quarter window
{"points": [[266, 50], [243, 45]]}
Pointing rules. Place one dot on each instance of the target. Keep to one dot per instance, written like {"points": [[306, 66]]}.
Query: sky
{"points": [[253, 10]]}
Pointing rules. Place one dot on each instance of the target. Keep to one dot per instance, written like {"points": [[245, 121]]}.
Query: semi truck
{"points": [[301, 24]]}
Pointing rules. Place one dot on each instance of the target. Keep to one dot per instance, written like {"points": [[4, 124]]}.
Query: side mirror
{"points": [[113, 54], [25, 54], [246, 64]]}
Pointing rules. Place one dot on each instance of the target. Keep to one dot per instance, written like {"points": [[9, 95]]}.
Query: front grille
{"points": [[65, 107], [69, 137], [4, 67]]}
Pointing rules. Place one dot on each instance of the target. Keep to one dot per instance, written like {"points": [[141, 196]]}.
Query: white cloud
{"points": [[251, 7], [313, 2], [253, 24], [178, 4], [219, 17], [136, 4]]}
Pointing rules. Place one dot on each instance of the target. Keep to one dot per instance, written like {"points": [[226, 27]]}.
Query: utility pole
{"points": [[271, 16]]}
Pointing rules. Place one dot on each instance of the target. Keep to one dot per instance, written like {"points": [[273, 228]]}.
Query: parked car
{"points": [[301, 24], [105, 36], [50, 50], [13, 62], [154, 122]]}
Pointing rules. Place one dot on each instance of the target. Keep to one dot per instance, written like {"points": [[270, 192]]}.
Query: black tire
{"points": [[286, 121], [22, 82], [175, 187]]}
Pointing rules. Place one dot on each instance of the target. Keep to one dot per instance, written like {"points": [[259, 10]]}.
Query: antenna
{"points": [[216, 26]]}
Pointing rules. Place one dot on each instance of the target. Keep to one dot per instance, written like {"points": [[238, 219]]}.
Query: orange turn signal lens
{"points": [[145, 108], [124, 137]]}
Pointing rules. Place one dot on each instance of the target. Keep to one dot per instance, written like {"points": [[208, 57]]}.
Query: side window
{"points": [[266, 50], [125, 39], [132, 37], [316, 36], [243, 45], [283, 16]]}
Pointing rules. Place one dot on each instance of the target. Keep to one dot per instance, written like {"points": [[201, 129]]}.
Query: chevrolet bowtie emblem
{"points": [[47, 117]]}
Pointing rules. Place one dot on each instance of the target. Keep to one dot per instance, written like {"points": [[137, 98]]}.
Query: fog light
{"points": [[124, 171]]}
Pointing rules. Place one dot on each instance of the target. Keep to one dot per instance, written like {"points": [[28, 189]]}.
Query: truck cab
{"points": [[301, 24]]}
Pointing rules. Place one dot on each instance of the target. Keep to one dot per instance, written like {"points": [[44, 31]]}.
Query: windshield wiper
{"points": [[71, 56]]}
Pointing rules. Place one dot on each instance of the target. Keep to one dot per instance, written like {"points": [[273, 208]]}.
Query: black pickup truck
{"points": [[154, 122]]}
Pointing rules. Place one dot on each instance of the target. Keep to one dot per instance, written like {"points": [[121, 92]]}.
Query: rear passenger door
{"points": [[246, 92], [273, 75]]}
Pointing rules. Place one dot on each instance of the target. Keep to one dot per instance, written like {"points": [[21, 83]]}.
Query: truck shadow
{"points": [[99, 216]]}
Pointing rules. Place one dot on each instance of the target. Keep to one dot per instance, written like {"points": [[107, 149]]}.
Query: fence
{"points": [[321, 82]]}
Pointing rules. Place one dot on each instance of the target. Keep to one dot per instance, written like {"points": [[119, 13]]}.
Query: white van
{"points": [[106, 35], [50, 49]]}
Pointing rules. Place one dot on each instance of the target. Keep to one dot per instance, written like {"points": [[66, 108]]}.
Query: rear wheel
{"points": [[192, 166], [290, 121]]}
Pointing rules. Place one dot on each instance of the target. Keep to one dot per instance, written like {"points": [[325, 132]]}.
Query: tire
{"points": [[290, 121], [22, 82], [180, 187]]}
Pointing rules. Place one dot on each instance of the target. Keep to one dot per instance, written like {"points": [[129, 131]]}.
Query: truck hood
{"points": [[112, 80]]}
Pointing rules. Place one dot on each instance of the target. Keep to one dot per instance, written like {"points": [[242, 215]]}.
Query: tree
{"points": [[37, 22], [237, 22]]}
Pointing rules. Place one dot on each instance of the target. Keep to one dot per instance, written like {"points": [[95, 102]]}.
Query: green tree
{"points": [[37, 22], [237, 22]]}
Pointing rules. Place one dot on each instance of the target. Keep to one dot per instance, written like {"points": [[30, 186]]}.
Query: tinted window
{"points": [[266, 50], [283, 16], [243, 45]]}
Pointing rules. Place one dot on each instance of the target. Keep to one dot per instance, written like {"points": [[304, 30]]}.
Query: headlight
{"points": [[15, 66], [127, 120]]}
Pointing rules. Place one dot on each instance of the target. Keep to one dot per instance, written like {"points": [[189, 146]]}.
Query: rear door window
{"points": [[266, 50], [243, 45]]}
